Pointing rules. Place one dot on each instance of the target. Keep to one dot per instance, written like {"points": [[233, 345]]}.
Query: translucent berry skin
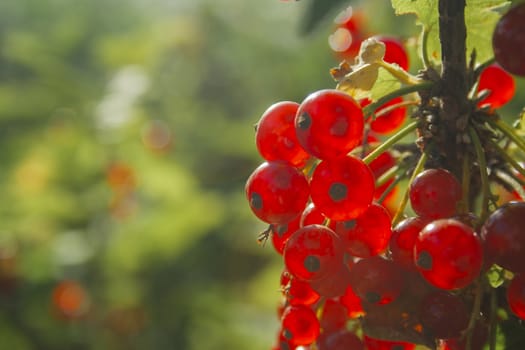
{"points": [[298, 292], [402, 241], [277, 192], [275, 136], [300, 325], [352, 302], [333, 285], [448, 254], [342, 188], [313, 252], [378, 344], [387, 122], [508, 41], [368, 234], [395, 51], [333, 316], [435, 193], [499, 83], [329, 124], [444, 315], [376, 280], [340, 340], [516, 295], [504, 236], [281, 233], [312, 215]]}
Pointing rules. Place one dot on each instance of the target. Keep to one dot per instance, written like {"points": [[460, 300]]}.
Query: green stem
{"points": [[424, 48], [508, 158], [419, 167], [508, 131], [474, 315], [383, 179], [482, 66], [391, 141], [482, 162], [397, 93], [389, 189], [390, 108]]}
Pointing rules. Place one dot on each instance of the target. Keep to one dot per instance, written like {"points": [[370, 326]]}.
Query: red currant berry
{"points": [[508, 40], [298, 292], [333, 316], [499, 84], [376, 280], [339, 340], [329, 124], [504, 236], [312, 215], [352, 302], [369, 234], [435, 193], [448, 254], [342, 188], [348, 36], [277, 192], [395, 51], [281, 233], [444, 315], [516, 295], [300, 325], [313, 252], [386, 119], [402, 241], [333, 285], [275, 136]]}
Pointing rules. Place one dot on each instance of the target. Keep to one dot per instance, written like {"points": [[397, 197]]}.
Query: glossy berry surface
{"points": [[499, 84], [435, 193], [395, 51], [376, 280], [277, 192], [402, 241], [333, 316], [504, 236], [281, 233], [342, 188], [275, 136], [333, 285], [300, 325], [443, 314], [312, 215], [508, 41], [313, 252], [297, 292], [329, 123], [368, 234], [448, 254], [516, 296], [352, 302]]}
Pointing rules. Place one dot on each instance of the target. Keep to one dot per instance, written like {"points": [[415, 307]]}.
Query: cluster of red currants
{"points": [[355, 278]]}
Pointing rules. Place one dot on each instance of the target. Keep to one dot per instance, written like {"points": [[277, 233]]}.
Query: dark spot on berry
{"points": [[424, 260], [312, 263], [256, 201], [304, 121], [349, 224], [397, 347], [287, 334], [338, 191], [281, 229], [372, 297]]}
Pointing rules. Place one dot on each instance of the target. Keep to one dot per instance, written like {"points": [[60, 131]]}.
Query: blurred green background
{"points": [[126, 136]]}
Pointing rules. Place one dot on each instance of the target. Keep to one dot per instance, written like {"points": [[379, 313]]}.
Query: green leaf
{"points": [[385, 84], [481, 17]]}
